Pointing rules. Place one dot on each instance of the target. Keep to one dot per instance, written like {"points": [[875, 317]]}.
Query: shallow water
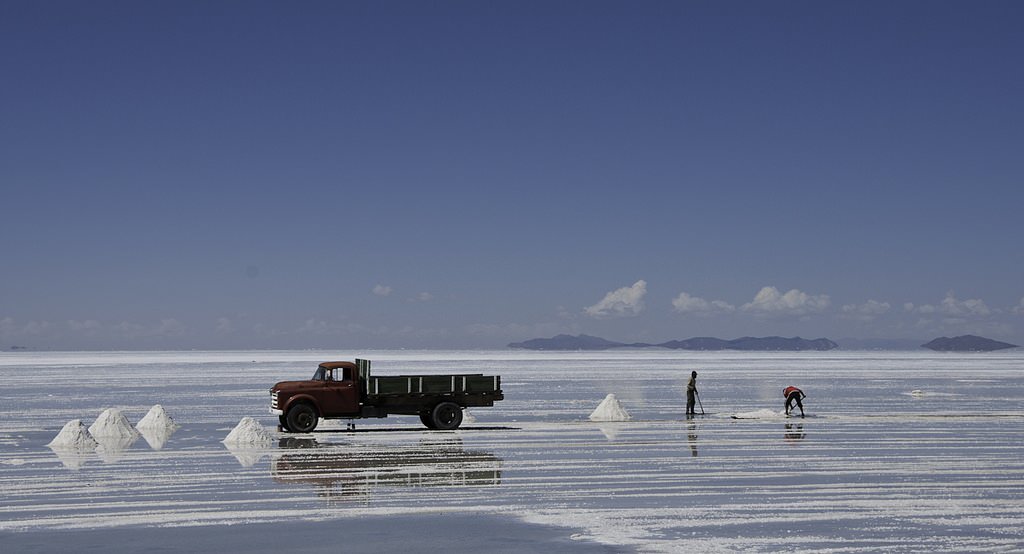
{"points": [[874, 465]]}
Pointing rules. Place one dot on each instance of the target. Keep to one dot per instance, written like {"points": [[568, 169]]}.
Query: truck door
{"points": [[342, 395]]}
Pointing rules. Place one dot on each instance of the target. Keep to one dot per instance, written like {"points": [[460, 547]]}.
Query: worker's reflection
{"points": [[691, 436], [794, 433]]}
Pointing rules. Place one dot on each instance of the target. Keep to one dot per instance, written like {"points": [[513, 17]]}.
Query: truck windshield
{"points": [[320, 374]]}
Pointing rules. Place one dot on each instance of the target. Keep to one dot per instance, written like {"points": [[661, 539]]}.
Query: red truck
{"points": [[346, 390]]}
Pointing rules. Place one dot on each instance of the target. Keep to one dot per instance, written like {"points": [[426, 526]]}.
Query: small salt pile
{"points": [[467, 417], [74, 435], [610, 410], [249, 432], [760, 414], [158, 419], [157, 427], [112, 424]]}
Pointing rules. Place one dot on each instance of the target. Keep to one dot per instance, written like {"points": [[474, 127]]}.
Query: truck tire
{"points": [[446, 416], [427, 421], [302, 418], [283, 422]]}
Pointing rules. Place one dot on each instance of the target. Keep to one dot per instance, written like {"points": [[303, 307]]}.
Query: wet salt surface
{"points": [[871, 468]]}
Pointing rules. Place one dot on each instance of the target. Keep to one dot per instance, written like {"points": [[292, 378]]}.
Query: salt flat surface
{"points": [[871, 468]]}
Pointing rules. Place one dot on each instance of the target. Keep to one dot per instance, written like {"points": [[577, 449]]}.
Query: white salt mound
{"points": [[467, 417], [249, 432], [112, 424], [157, 419], [73, 435], [917, 392], [609, 410], [760, 414]]}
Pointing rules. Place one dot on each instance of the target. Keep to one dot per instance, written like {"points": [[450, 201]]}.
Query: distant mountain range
{"points": [[967, 343], [587, 342], [879, 344]]}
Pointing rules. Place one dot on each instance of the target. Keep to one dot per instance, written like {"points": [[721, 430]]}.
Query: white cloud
{"points": [[170, 328], [166, 328], [951, 306], [1019, 308], [36, 328], [421, 297], [624, 302], [382, 290], [866, 311], [687, 304], [975, 306], [84, 326], [10, 328], [224, 326], [421, 333], [131, 330], [316, 327], [89, 327], [517, 331], [770, 301]]}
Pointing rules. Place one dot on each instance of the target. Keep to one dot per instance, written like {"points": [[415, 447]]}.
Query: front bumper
{"points": [[275, 411]]}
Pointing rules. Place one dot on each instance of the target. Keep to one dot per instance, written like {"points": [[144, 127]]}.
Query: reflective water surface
{"points": [[898, 452]]}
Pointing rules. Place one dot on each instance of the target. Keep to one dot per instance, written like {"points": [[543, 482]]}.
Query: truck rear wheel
{"points": [[302, 418], [446, 416]]}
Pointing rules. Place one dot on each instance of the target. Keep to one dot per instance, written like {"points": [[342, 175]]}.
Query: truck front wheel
{"points": [[302, 418], [427, 419], [446, 416]]}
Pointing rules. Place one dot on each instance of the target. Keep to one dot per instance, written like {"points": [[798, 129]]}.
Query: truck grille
{"points": [[273, 399]]}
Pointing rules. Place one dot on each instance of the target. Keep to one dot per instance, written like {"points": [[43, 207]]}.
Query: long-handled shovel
{"points": [[701, 404]]}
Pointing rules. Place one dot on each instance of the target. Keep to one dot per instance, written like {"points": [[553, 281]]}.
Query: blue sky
{"points": [[466, 174]]}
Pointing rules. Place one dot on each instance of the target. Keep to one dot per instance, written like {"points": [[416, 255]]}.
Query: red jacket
{"points": [[791, 390]]}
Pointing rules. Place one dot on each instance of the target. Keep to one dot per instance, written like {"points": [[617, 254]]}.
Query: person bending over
{"points": [[794, 396]]}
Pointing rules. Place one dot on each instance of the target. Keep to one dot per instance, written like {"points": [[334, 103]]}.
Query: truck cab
{"points": [[333, 389]]}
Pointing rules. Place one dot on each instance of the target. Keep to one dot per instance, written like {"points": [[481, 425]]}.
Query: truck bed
{"points": [[432, 384]]}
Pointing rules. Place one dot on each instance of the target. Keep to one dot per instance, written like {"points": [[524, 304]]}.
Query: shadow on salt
{"points": [[113, 449], [156, 437], [612, 430], [73, 458], [246, 456]]}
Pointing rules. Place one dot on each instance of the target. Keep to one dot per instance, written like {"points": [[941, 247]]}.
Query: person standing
{"points": [[794, 396], [691, 394]]}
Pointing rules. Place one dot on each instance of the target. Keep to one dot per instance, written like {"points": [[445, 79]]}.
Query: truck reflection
{"points": [[340, 472]]}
